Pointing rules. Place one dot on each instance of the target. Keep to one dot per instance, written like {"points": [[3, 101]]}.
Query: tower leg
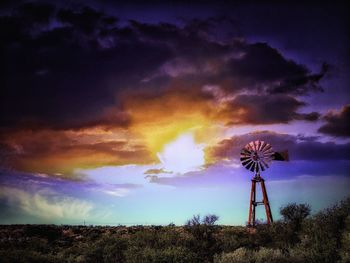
{"points": [[266, 202], [252, 204]]}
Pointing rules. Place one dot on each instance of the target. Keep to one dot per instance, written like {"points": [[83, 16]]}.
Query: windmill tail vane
{"points": [[281, 156], [256, 157]]}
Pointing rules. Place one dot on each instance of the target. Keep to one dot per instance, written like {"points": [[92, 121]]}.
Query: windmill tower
{"points": [[256, 156]]}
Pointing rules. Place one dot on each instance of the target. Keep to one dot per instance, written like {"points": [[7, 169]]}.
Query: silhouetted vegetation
{"points": [[297, 237]]}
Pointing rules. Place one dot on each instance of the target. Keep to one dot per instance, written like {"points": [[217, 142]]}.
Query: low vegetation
{"points": [[297, 237]]}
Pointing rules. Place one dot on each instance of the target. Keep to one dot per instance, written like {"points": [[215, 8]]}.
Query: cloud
{"points": [[87, 20], [118, 190], [265, 109], [264, 67], [299, 147], [76, 69], [58, 152], [337, 123], [156, 171], [152, 178], [77, 63], [70, 74], [45, 204]]}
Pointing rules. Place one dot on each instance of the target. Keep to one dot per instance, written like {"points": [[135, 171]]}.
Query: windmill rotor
{"points": [[256, 156]]}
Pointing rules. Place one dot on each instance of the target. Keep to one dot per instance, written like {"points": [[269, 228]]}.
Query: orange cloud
{"points": [[160, 118], [61, 152]]}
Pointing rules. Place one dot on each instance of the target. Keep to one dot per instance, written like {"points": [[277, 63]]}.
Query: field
{"points": [[298, 237]]}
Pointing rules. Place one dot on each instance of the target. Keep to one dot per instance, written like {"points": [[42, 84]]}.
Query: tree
{"points": [[295, 213], [210, 220], [203, 230]]}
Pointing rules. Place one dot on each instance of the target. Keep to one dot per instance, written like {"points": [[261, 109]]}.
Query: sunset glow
{"points": [[182, 155]]}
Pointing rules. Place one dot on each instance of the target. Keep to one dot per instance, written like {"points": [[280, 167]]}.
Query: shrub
{"points": [[294, 214], [49, 232], [234, 238], [203, 231], [240, 255], [345, 243], [321, 236], [268, 255], [169, 254], [263, 255]]}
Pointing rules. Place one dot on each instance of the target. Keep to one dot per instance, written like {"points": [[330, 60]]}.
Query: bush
{"points": [[277, 235], [26, 256], [234, 238], [322, 235], [345, 243], [49, 232], [203, 231], [169, 254], [268, 255], [263, 255], [240, 255], [295, 213]]}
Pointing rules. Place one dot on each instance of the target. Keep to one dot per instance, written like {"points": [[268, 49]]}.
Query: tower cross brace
{"points": [[254, 203]]}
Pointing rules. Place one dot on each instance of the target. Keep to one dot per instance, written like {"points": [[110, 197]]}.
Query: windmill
{"points": [[255, 157]]}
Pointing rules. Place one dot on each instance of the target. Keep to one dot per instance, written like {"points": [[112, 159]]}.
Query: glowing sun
{"points": [[182, 155]]}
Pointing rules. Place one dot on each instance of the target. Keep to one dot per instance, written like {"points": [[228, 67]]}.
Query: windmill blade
{"points": [[255, 166], [262, 143], [261, 167], [250, 165], [259, 145], [244, 158], [245, 153], [267, 150], [265, 145], [258, 167], [256, 143], [246, 163], [264, 163], [248, 148]]}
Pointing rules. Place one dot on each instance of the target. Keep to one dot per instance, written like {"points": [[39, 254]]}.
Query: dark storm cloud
{"points": [[261, 64], [32, 13], [65, 68], [67, 77], [266, 109], [299, 147], [337, 123], [86, 20]]}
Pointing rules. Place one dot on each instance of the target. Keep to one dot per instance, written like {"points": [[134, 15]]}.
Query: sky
{"points": [[133, 113]]}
